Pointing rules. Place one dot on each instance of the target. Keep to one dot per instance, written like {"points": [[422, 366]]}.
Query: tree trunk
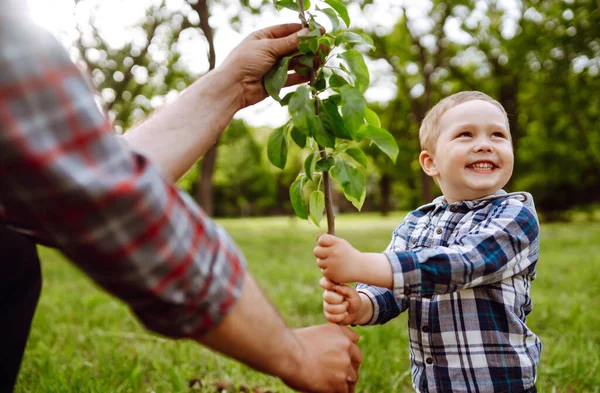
{"points": [[204, 193], [385, 188]]}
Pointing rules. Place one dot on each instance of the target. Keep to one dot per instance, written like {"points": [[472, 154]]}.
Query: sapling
{"points": [[329, 114]]}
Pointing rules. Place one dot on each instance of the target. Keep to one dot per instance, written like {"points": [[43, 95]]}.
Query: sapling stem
{"points": [[322, 152]]}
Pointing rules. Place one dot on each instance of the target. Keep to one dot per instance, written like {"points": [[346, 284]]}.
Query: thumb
{"points": [[287, 45]]}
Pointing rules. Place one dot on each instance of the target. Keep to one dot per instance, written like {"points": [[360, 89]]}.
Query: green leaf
{"points": [[310, 164], [336, 81], [297, 197], [302, 109], [358, 156], [372, 118], [298, 137], [358, 68], [309, 46], [332, 121], [276, 77], [325, 164], [353, 108], [320, 84], [323, 137], [352, 180], [291, 4], [286, 99], [349, 37], [316, 206], [341, 9], [382, 138], [333, 18], [277, 147]]}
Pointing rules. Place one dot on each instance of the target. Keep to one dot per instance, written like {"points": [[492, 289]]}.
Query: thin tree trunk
{"points": [[385, 188], [204, 191]]}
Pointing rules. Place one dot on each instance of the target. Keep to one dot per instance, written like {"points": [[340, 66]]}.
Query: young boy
{"points": [[461, 265]]}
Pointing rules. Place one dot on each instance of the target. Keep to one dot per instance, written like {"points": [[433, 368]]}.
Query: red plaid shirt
{"points": [[66, 178]]}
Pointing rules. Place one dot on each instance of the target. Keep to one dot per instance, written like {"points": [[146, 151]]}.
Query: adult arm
{"points": [[316, 359], [65, 176], [180, 132]]}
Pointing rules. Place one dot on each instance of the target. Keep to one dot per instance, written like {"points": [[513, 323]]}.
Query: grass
{"points": [[83, 340]]}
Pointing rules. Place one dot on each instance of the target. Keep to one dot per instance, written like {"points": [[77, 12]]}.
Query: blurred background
{"points": [[540, 59]]}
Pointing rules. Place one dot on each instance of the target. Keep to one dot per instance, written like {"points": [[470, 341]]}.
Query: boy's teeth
{"points": [[482, 166]]}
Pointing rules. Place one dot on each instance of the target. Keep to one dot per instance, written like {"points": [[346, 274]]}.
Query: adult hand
{"points": [[338, 260], [257, 54], [329, 359], [341, 303]]}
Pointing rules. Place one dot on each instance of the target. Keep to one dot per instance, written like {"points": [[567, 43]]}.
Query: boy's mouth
{"points": [[484, 166]]}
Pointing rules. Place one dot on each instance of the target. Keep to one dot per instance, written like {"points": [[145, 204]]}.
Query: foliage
{"points": [[338, 81]]}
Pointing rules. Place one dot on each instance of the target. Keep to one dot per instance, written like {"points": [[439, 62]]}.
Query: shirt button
{"points": [[453, 208], [407, 291], [429, 361], [438, 230], [413, 241], [425, 328]]}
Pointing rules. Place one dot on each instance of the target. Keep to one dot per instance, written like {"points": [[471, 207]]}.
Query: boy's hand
{"points": [[341, 303], [338, 260]]}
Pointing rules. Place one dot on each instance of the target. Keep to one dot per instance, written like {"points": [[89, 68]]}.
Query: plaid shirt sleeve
{"points": [[65, 176], [386, 306], [494, 249]]}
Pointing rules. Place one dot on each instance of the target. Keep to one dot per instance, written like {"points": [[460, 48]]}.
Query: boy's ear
{"points": [[428, 164]]}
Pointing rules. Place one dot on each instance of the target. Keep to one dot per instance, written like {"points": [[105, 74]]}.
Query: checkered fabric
{"points": [[463, 271], [67, 179]]}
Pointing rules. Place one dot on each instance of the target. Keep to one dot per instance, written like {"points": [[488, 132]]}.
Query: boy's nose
{"points": [[483, 145]]}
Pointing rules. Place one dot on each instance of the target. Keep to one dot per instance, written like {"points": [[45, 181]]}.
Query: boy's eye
{"points": [[465, 134], [499, 135]]}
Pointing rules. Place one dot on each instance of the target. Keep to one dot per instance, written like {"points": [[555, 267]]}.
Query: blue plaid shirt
{"points": [[463, 272]]}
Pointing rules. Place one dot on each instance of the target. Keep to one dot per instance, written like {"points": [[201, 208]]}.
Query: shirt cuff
{"points": [[373, 300], [405, 272]]}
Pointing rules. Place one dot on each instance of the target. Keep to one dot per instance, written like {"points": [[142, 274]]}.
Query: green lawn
{"points": [[85, 341]]}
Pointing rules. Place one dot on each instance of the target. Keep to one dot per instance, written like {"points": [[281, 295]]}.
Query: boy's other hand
{"points": [[341, 303], [338, 260]]}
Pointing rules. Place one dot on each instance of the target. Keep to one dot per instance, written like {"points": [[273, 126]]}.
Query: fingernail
{"points": [[303, 32]]}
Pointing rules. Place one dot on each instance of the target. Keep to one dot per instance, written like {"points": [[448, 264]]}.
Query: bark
{"points": [[204, 191], [385, 189]]}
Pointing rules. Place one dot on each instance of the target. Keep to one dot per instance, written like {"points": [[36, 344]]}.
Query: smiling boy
{"points": [[462, 265]]}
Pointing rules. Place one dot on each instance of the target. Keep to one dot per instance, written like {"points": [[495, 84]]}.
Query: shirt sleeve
{"points": [[65, 176], [386, 306], [505, 244]]}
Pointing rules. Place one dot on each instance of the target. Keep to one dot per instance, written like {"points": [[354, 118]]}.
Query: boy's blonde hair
{"points": [[429, 131]]}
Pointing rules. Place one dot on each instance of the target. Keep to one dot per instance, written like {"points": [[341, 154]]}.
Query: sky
{"points": [[115, 16]]}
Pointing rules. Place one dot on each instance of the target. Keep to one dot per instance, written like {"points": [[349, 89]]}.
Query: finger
{"points": [[320, 252], [345, 290], [295, 78], [335, 318], [351, 334], [326, 240], [286, 45], [326, 283], [340, 308], [356, 356], [279, 31], [332, 297], [322, 263], [352, 376]]}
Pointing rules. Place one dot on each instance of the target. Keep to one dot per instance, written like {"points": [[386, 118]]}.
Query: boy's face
{"points": [[473, 153]]}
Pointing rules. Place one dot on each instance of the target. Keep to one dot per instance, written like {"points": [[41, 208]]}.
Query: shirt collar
{"points": [[440, 202]]}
